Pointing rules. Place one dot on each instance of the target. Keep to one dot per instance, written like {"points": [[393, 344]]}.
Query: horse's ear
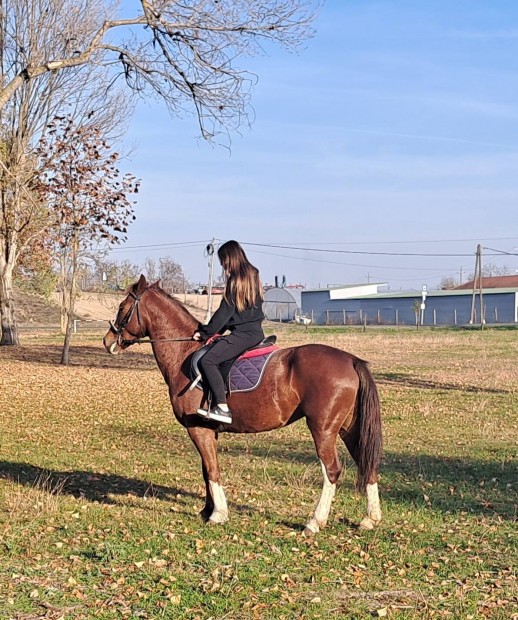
{"points": [[141, 285], [155, 284]]}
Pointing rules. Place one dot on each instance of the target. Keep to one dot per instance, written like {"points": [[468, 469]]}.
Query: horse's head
{"points": [[127, 327]]}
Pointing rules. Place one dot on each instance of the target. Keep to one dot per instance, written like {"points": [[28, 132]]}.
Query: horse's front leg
{"points": [[206, 442]]}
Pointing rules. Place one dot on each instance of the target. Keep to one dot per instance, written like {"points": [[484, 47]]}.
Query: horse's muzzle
{"points": [[111, 344]]}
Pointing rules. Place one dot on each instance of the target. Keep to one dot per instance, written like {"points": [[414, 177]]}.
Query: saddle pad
{"points": [[246, 373]]}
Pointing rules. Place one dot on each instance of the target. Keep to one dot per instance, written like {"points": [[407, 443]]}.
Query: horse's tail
{"points": [[368, 411]]}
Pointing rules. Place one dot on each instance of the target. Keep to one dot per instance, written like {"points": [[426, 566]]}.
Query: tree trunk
{"points": [[9, 335], [71, 299], [7, 318]]}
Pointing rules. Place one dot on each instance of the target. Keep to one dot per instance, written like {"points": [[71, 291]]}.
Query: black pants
{"points": [[220, 357]]}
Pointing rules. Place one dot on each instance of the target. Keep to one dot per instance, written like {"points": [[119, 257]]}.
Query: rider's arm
{"points": [[219, 320]]}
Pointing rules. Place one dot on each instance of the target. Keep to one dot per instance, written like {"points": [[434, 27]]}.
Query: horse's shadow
{"points": [[450, 484], [89, 485]]}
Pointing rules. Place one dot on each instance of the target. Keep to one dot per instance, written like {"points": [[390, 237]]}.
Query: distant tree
{"points": [[448, 283], [88, 198], [171, 276], [416, 307], [490, 270], [151, 269], [127, 273]]}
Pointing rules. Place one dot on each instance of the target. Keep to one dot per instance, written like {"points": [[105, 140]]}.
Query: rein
{"points": [[146, 340]]}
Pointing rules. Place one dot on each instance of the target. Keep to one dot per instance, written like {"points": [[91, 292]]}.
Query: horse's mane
{"points": [[170, 298]]}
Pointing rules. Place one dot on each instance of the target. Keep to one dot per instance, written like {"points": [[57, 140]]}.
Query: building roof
{"points": [[491, 282], [442, 293]]}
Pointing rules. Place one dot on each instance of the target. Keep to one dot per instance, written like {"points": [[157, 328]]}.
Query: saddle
{"points": [[241, 374]]}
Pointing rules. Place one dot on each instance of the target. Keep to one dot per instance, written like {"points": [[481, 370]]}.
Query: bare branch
{"points": [[184, 53]]}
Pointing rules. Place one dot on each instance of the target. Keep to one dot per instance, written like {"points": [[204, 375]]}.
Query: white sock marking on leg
{"points": [[319, 519], [373, 502], [220, 512]]}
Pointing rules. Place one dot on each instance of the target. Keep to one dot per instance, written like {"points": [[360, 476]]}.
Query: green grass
{"points": [[100, 490]]}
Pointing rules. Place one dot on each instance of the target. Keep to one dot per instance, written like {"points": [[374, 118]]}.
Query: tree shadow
{"points": [[92, 486], [402, 379], [452, 484], [82, 356]]}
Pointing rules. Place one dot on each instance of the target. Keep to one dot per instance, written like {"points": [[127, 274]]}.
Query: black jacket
{"points": [[228, 317]]}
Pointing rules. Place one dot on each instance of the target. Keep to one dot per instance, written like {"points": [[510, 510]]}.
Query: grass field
{"points": [[100, 489]]}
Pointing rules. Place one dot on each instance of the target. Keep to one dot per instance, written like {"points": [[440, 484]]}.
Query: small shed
{"points": [[282, 304]]}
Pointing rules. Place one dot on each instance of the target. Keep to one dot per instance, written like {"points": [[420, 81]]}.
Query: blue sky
{"points": [[393, 131]]}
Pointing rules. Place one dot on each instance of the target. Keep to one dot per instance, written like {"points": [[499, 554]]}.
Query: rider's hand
{"points": [[196, 336]]}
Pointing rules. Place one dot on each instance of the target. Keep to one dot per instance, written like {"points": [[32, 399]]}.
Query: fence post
{"points": [[496, 314], [455, 316], [434, 317], [76, 321], [343, 311], [379, 317], [365, 322], [397, 317], [327, 317]]}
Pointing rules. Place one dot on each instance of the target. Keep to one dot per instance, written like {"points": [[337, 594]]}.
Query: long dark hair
{"points": [[243, 283]]}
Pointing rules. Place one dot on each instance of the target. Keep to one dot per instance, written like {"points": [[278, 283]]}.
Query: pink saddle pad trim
{"points": [[260, 351]]}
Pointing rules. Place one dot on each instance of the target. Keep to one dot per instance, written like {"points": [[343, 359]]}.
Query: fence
{"points": [[431, 317]]}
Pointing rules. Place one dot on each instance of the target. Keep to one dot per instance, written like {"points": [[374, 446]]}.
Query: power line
{"points": [[179, 244], [332, 262], [364, 252], [420, 241], [321, 249], [500, 252]]}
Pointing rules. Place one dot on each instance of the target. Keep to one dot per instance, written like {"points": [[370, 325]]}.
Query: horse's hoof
{"points": [[368, 524], [204, 516], [212, 522], [307, 533]]}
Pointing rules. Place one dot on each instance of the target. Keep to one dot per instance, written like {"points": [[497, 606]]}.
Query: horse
{"points": [[333, 390]]}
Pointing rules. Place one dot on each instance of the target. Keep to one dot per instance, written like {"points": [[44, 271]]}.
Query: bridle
{"points": [[117, 329]]}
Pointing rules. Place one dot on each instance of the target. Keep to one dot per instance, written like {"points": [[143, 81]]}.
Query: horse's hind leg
{"points": [[331, 470], [373, 516]]}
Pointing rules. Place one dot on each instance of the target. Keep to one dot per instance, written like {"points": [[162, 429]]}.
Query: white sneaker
{"points": [[219, 415]]}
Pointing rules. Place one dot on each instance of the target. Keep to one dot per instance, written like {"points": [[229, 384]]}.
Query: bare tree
{"points": [[88, 198], [448, 283], [151, 269], [490, 270], [24, 218], [171, 275], [183, 53]]}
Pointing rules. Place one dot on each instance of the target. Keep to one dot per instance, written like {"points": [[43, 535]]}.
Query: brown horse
{"points": [[332, 389]]}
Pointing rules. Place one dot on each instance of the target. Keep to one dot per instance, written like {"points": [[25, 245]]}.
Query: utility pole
{"points": [[210, 253], [477, 278]]}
